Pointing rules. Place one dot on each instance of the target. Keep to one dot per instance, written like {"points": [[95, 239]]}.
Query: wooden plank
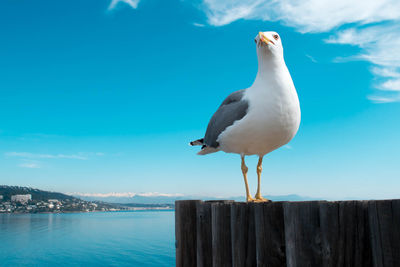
{"points": [[221, 234], [316, 233], [329, 222], [384, 218], [345, 234], [302, 233], [204, 231], [185, 232], [367, 250], [243, 235], [204, 238], [270, 234], [395, 231], [354, 242]]}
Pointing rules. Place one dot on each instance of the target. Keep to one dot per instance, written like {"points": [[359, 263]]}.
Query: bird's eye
{"points": [[276, 37]]}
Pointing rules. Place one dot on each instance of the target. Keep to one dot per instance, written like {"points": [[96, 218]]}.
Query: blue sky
{"points": [[100, 96]]}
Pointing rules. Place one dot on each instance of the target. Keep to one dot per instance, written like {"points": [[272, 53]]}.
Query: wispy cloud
{"points": [[382, 100], [305, 16], [30, 165], [311, 58], [44, 156], [28, 155], [380, 46], [371, 25], [131, 3], [33, 160], [124, 194], [198, 24]]}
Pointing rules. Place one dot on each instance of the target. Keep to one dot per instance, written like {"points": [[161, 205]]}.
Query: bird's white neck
{"points": [[270, 69]]}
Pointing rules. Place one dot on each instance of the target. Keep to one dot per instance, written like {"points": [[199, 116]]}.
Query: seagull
{"points": [[259, 119]]}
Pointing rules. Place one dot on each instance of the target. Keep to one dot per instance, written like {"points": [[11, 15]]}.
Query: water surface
{"points": [[140, 238]]}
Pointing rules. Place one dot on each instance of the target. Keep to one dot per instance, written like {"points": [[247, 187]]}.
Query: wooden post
{"points": [[204, 242], [302, 233], [344, 233], [329, 221], [185, 233], [270, 234], [310, 233], [384, 217], [243, 235], [221, 234]]}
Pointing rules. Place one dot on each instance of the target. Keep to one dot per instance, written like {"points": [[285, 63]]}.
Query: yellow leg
{"points": [[258, 196], [244, 171]]}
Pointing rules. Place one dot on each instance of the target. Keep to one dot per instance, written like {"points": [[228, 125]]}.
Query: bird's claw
{"points": [[250, 199], [259, 198]]}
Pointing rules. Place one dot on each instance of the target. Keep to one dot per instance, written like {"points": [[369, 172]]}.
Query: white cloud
{"points": [[30, 165], [304, 15], [125, 194], [44, 156], [131, 3], [198, 24], [391, 85], [224, 12], [381, 100], [372, 25], [386, 72], [311, 58], [380, 46]]}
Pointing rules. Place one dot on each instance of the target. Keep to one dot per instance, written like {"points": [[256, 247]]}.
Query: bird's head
{"points": [[269, 44]]}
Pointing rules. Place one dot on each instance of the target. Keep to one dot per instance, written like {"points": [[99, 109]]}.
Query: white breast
{"points": [[272, 120]]}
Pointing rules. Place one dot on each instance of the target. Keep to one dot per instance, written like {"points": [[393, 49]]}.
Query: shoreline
{"points": [[117, 210]]}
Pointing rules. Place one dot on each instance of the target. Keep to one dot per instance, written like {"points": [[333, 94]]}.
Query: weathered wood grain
{"points": [[204, 232], [354, 242], [270, 234], [384, 221], [221, 234], [302, 234], [345, 234], [185, 233], [329, 222], [204, 242], [313, 233], [243, 235]]}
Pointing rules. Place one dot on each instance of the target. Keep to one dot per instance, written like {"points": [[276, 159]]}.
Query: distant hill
{"points": [[38, 195], [171, 199], [41, 195]]}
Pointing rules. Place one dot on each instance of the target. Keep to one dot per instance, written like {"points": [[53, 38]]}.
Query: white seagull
{"points": [[259, 119]]}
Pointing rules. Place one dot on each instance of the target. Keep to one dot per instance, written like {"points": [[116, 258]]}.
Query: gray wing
{"points": [[232, 109]]}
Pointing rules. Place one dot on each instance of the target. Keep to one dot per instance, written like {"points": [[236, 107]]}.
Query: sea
{"points": [[130, 238]]}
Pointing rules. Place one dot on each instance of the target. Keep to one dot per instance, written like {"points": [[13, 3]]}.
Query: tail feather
{"points": [[204, 148], [198, 142], [207, 150]]}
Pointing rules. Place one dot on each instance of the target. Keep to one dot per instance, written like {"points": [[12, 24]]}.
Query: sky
{"points": [[102, 96]]}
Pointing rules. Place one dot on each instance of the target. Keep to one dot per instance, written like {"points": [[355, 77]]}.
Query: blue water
{"points": [[139, 238]]}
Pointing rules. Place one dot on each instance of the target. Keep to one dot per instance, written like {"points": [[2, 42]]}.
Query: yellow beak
{"points": [[264, 38]]}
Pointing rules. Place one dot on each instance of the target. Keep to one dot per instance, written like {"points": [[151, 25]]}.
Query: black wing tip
{"points": [[197, 142]]}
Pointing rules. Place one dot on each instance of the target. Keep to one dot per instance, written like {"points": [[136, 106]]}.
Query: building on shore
{"points": [[21, 198], [1, 197]]}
